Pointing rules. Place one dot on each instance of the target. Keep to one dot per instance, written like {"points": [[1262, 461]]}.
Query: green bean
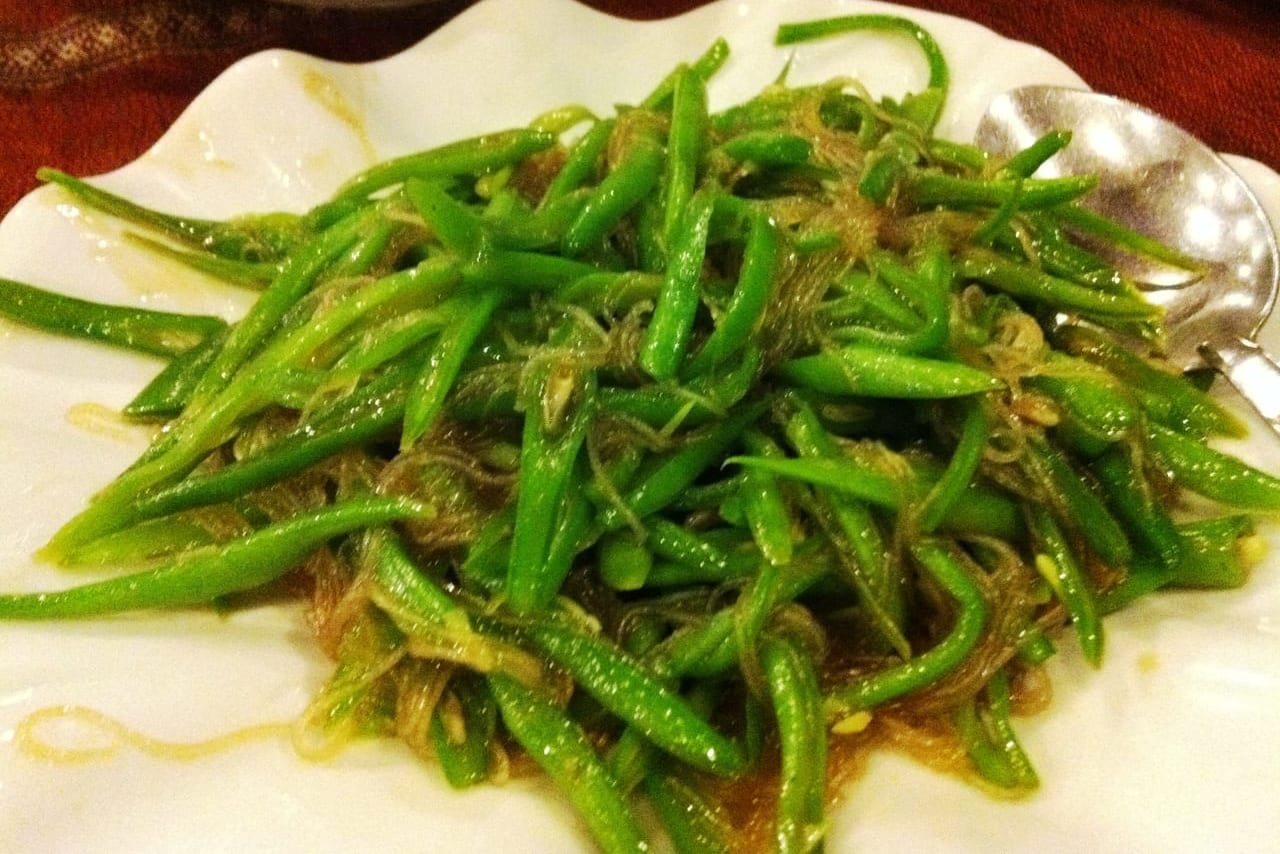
{"points": [[758, 605], [509, 269], [484, 568], [610, 475], [677, 543], [674, 574], [255, 275], [170, 391], [549, 451], [1090, 399], [987, 758], [869, 372], [998, 223], [667, 337], [1117, 234], [146, 541], [622, 685], [1130, 496], [674, 472], [1028, 160], [465, 157], [702, 399], [573, 533], [1216, 554], [371, 248], [708, 648], [797, 702], [158, 333], [686, 140], [1219, 552], [388, 340], [922, 108], [765, 506], [267, 237], [629, 759], [998, 697], [855, 533], [705, 651], [895, 153], [768, 148], [297, 276], [1077, 504], [427, 396], [1058, 566], [581, 162], [980, 511], [199, 577], [611, 292], [370, 413], [1023, 282], [624, 561], [559, 120], [454, 224], [870, 298], [965, 156], [693, 823], [928, 290], [936, 189], [881, 686], [974, 432], [199, 429], [461, 735], [934, 266], [1202, 469], [984, 508], [1043, 239], [635, 176], [564, 752], [1164, 395], [542, 228], [396, 574], [741, 317], [990, 740], [707, 496], [1034, 645], [704, 66], [419, 284]]}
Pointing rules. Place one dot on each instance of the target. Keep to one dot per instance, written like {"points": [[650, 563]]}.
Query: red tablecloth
{"points": [[87, 85]]}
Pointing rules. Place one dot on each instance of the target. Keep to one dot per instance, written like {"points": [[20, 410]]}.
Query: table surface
{"points": [[88, 85]]}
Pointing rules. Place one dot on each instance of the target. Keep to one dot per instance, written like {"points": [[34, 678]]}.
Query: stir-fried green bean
{"points": [[146, 331], [565, 753], [797, 700], [661, 450], [204, 574]]}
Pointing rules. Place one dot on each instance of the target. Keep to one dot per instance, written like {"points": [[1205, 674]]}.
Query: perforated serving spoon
{"points": [[1160, 180]]}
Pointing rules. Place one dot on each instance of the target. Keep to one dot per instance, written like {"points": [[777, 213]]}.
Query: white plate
{"points": [[1173, 746]]}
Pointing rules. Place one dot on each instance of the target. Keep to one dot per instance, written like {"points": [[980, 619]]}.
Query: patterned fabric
{"points": [[85, 43]]}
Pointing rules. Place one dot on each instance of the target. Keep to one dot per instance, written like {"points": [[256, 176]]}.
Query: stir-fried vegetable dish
{"points": [[683, 453]]}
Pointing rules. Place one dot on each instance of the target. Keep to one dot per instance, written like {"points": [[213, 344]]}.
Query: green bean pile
{"points": [[681, 453]]}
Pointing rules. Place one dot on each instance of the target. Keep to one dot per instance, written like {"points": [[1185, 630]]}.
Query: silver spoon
{"points": [[1160, 180]]}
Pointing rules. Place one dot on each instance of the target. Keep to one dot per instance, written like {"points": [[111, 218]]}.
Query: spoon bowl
{"points": [[1159, 180]]}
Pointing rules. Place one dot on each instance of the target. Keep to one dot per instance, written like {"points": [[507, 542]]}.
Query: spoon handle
{"points": [[1252, 371]]}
